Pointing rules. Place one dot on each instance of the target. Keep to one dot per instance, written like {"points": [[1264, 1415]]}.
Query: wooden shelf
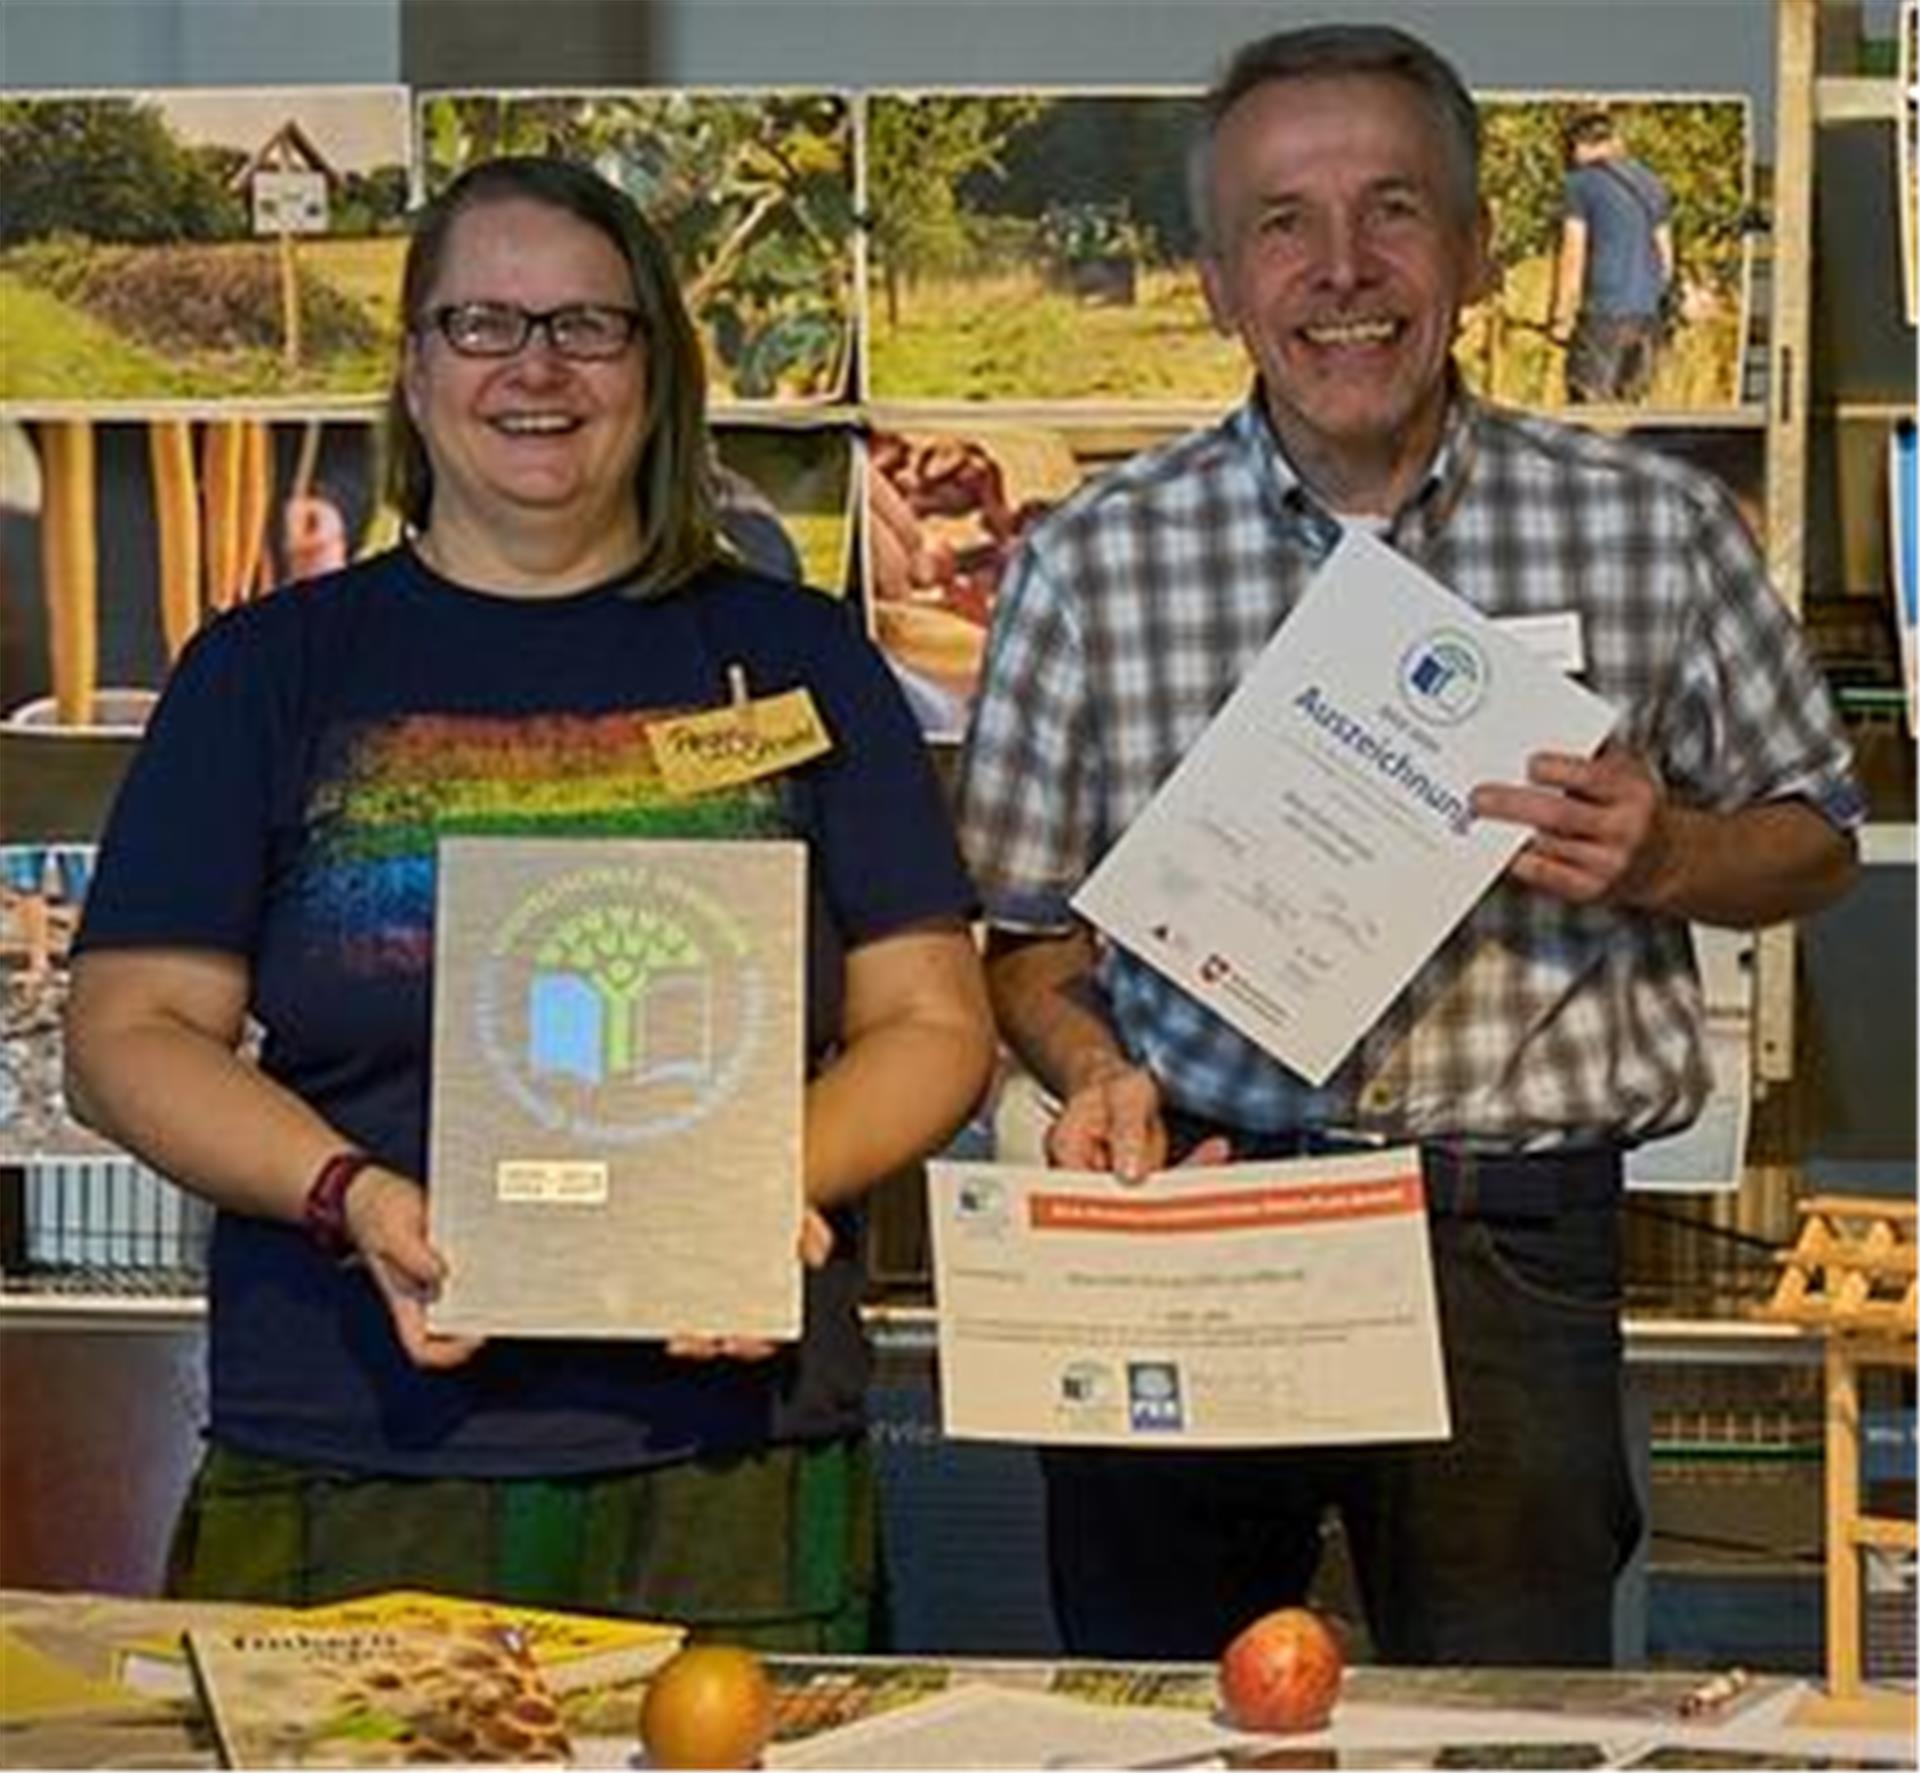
{"points": [[1866, 412], [1884, 844], [1856, 98]]}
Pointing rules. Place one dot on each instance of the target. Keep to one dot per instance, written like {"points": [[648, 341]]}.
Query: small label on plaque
{"points": [[698, 753], [553, 1183]]}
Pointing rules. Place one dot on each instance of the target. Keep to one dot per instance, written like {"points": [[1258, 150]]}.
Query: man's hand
{"points": [[816, 1245], [386, 1216], [1600, 827], [1111, 1121]]}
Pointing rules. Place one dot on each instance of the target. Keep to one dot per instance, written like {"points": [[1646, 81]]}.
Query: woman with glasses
{"points": [[272, 857]]}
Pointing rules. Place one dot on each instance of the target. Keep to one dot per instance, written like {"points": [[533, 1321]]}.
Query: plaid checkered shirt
{"points": [[1132, 611]]}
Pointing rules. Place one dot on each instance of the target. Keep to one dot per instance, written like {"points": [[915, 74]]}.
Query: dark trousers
{"points": [[1497, 1546], [1611, 357]]}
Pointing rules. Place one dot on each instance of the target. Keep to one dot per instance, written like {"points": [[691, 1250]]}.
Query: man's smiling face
{"points": [[1342, 254]]}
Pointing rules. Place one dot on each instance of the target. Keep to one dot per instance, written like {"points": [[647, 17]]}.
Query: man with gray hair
{"points": [[1336, 189]]}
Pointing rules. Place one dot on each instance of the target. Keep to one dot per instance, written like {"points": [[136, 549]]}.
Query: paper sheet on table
{"points": [[1315, 847], [984, 1726], [1276, 1304]]}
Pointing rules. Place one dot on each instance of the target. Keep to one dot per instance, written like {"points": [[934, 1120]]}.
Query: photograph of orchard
{"points": [[1034, 247], [753, 192], [201, 245], [1514, 346], [945, 510]]}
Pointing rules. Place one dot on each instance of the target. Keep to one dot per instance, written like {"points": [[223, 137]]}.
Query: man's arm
{"points": [[1663, 251], [1604, 832], [1047, 1003], [1569, 276]]}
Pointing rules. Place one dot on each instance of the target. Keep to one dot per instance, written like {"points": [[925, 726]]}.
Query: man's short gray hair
{"points": [[1331, 52]]}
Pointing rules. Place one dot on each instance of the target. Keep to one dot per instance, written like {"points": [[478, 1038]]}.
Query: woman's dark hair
{"points": [[671, 488]]}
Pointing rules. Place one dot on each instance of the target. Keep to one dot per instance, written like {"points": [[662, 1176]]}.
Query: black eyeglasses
{"points": [[588, 332]]}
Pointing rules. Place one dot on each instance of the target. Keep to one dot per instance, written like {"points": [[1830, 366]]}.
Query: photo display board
{"points": [[930, 315]]}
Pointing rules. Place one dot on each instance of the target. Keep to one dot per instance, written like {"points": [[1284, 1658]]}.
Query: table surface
{"points": [[1386, 1716]]}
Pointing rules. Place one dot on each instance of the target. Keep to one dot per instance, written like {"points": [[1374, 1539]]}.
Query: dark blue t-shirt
{"points": [[1622, 203], [307, 755]]}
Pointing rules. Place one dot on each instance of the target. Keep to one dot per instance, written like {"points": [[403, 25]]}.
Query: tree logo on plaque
{"points": [[621, 991], [1443, 677], [620, 1004]]}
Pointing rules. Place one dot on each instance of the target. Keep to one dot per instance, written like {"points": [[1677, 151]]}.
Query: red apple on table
{"points": [[1282, 1672]]}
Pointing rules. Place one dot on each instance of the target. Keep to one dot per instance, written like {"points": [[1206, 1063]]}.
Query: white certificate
{"points": [[1251, 1305], [1315, 846]]}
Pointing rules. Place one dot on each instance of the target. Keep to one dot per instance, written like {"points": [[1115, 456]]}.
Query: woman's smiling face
{"points": [[520, 443]]}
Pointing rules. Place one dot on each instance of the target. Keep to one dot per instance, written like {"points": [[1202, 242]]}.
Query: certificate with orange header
{"points": [[1249, 1305]]}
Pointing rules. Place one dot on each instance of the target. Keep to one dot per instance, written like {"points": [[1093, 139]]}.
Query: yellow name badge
{"points": [[698, 753]]}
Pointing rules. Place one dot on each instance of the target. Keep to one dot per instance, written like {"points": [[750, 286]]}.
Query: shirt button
{"points": [[1377, 1097]]}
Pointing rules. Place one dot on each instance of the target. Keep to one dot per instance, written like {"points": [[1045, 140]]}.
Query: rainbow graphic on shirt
{"points": [[396, 787]]}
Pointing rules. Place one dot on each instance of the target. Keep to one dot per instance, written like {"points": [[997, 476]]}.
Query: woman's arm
{"points": [[917, 1051], [152, 1062]]}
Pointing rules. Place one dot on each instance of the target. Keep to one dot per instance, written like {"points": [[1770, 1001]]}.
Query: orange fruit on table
{"points": [[711, 1705], [1282, 1672]]}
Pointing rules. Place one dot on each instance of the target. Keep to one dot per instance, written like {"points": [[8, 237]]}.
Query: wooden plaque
{"points": [[618, 1038]]}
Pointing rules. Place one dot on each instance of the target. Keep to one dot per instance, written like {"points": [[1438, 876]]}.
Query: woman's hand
{"points": [[386, 1217], [816, 1245]]}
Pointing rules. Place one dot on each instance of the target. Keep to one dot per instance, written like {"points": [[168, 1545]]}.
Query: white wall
{"points": [[1719, 45], [74, 43]]}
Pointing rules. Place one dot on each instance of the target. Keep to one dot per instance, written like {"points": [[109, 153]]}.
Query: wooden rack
{"points": [[1850, 1277]]}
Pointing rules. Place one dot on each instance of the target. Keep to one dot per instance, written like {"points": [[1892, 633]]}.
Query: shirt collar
{"points": [[1417, 522]]}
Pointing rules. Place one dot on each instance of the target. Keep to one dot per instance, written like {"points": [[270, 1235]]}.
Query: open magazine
{"points": [[294, 1696]]}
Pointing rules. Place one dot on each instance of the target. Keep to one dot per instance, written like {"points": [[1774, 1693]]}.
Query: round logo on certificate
{"points": [[619, 1004], [1443, 677], [980, 1204]]}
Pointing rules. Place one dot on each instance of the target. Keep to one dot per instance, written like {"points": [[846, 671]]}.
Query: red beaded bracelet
{"points": [[325, 1212]]}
